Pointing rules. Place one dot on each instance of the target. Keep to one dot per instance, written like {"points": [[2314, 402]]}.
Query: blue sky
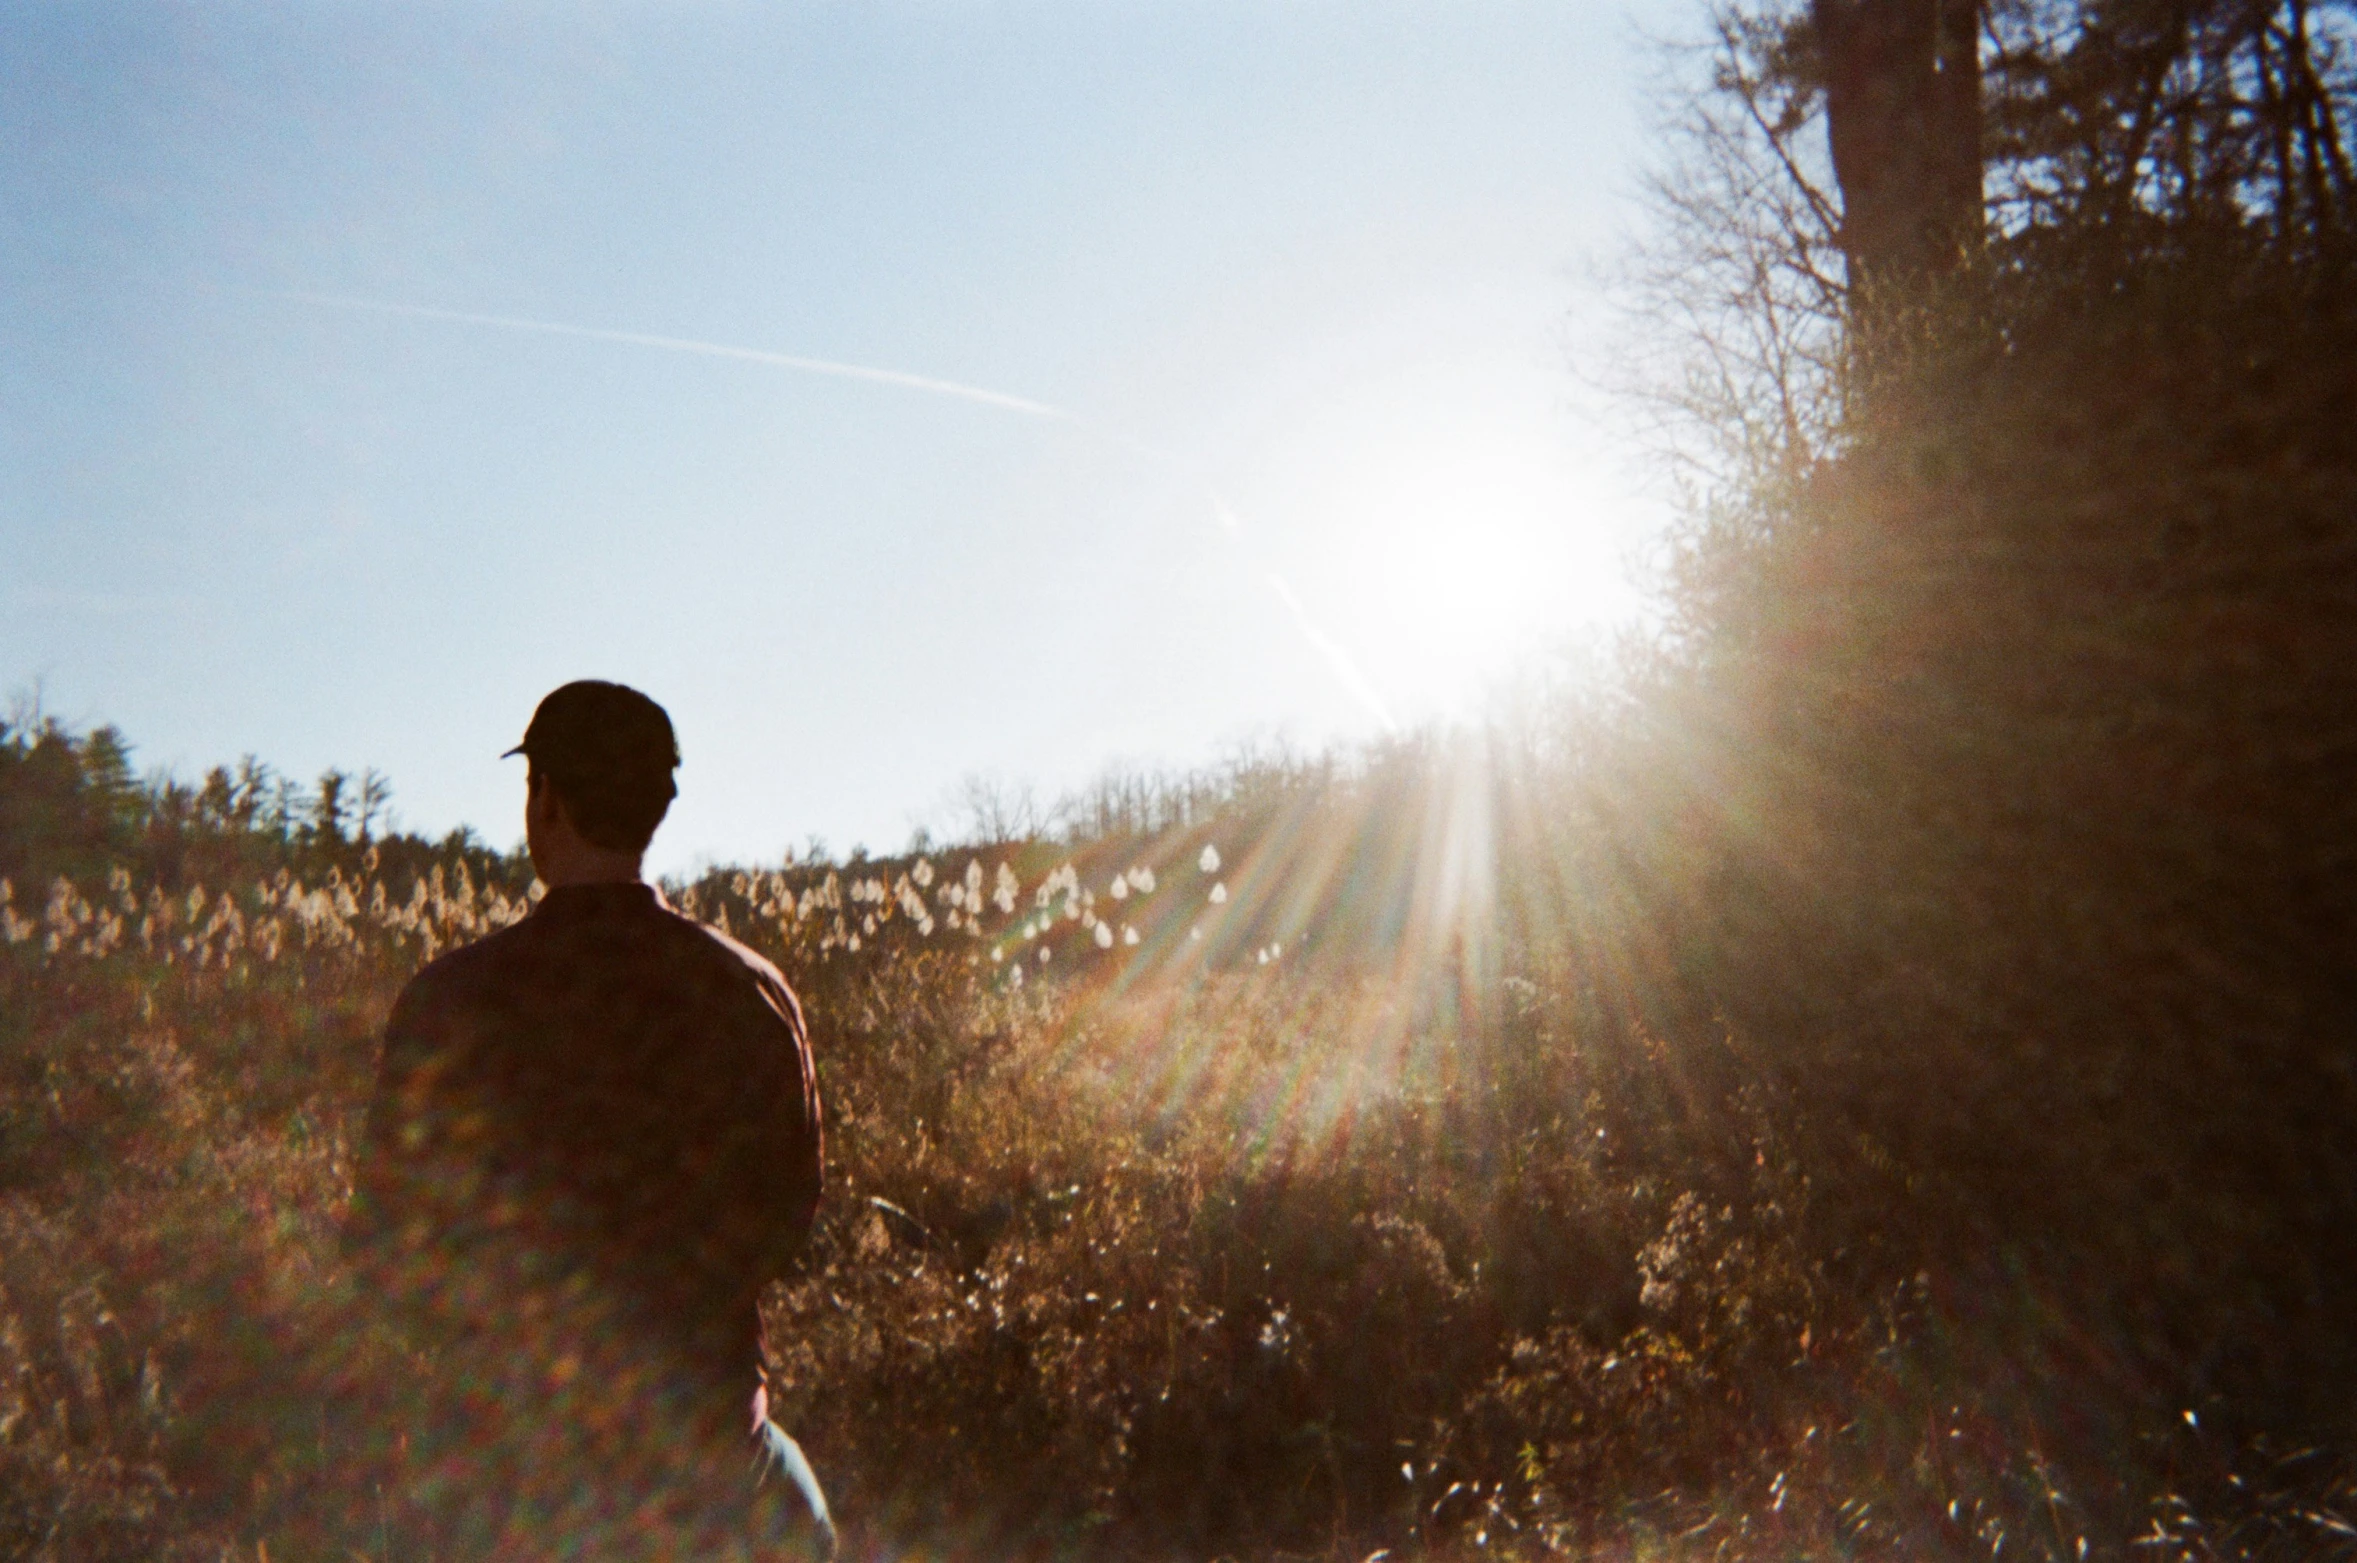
{"points": [[1311, 277]]}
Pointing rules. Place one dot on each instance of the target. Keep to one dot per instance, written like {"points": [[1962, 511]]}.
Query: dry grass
{"points": [[1156, 1253]]}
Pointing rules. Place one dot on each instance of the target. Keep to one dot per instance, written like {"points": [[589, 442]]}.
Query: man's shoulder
{"points": [[526, 957], [465, 969], [728, 954]]}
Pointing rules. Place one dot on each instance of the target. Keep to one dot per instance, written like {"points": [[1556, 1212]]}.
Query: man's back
{"points": [[595, 1139]]}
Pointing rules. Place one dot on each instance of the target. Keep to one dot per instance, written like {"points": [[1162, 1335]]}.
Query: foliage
{"points": [[2105, 126], [70, 804], [2000, 790], [1168, 1248]]}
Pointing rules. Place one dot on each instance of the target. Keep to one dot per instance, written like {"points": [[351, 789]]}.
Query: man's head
{"points": [[601, 760]]}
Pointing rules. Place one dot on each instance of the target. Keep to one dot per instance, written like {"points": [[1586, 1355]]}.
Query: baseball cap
{"points": [[590, 728]]}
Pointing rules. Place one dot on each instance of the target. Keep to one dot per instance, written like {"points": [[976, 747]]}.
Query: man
{"points": [[594, 1141]]}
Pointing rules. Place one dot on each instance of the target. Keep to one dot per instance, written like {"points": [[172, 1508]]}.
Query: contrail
{"points": [[681, 344], [1338, 660]]}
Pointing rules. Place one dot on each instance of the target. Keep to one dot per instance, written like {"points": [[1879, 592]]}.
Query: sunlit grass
{"points": [[1341, 1167]]}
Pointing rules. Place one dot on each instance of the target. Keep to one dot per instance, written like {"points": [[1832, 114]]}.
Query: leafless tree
{"points": [[1822, 149], [991, 811]]}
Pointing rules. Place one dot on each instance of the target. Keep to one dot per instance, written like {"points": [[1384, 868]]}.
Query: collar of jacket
{"points": [[571, 901]]}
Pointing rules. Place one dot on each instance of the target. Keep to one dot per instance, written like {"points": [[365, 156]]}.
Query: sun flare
{"points": [[1446, 535]]}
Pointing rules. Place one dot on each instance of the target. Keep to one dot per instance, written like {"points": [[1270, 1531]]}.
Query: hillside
{"points": [[1294, 1179]]}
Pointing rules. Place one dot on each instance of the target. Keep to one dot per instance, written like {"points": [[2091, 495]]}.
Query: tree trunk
{"points": [[1903, 110]]}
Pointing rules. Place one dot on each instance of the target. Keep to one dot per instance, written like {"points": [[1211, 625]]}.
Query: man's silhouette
{"points": [[594, 1140]]}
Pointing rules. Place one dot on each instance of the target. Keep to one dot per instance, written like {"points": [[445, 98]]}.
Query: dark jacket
{"points": [[595, 1139]]}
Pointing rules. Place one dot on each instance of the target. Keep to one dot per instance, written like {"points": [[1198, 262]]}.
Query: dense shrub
{"points": [[2008, 817]]}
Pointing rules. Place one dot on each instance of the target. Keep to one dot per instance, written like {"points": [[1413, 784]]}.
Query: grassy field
{"points": [[1295, 1180]]}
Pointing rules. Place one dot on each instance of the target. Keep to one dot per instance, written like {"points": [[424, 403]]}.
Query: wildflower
{"points": [[1005, 889], [1120, 891], [1044, 953], [923, 872], [1129, 935], [66, 913], [1141, 879], [1104, 936], [1219, 893], [1209, 861]]}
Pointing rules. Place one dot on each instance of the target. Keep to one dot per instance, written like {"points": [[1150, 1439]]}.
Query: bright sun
{"points": [[1444, 533]]}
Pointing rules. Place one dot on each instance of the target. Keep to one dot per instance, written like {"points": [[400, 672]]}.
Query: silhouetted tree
{"points": [[1902, 87], [1832, 145], [329, 807], [2002, 800]]}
